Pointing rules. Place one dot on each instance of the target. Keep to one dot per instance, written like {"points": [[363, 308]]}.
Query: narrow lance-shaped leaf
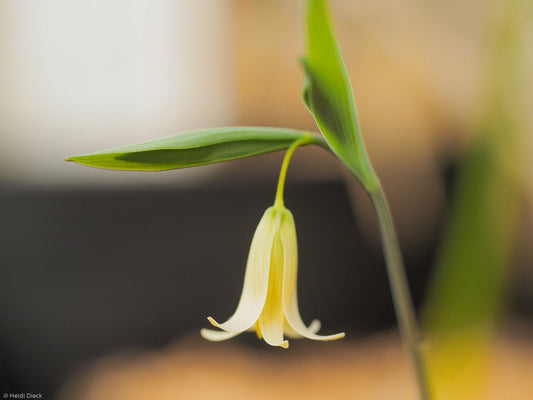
{"points": [[201, 147], [328, 94]]}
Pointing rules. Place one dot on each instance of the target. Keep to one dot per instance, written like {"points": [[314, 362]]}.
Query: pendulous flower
{"points": [[268, 301]]}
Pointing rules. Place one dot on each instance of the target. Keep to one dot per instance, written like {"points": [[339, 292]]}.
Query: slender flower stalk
{"points": [[278, 201], [269, 304], [400, 291]]}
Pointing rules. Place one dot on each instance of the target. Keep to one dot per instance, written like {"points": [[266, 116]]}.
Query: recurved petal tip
{"points": [[216, 336], [314, 326], [213, 322]]}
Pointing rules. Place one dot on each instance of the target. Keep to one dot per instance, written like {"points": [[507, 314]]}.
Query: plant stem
{"points": [[278, 202], [400, 290]]}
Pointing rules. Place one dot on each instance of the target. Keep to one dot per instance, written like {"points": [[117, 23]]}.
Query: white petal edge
{"points": [[292, 334], [290, 276], [255, 285], [216, 336]]}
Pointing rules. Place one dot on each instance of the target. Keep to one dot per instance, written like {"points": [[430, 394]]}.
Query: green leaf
{"points": [[328, 94], [195, 148]]}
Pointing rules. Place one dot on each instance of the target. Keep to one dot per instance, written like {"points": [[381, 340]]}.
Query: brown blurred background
{"points": [[81, 76]]}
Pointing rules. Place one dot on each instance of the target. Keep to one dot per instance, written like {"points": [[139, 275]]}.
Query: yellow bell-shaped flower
{"points": [[269, 302]]}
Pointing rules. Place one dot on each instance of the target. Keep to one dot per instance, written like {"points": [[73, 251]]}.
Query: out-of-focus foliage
{"points": [[475, 256]]}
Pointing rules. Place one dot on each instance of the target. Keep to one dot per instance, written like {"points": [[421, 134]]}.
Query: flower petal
{"points": [[290, 272], [216, 336], [255, 286], [272, 319], [295, 321], [291, 333]]}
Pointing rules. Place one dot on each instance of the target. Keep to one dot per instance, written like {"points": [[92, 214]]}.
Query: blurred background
{"points": [[106, 277]]}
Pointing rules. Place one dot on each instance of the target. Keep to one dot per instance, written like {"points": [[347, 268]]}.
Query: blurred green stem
{"points": [[400, 290]]}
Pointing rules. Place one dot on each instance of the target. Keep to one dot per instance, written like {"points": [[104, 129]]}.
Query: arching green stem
{"points": [[278, 202]]}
